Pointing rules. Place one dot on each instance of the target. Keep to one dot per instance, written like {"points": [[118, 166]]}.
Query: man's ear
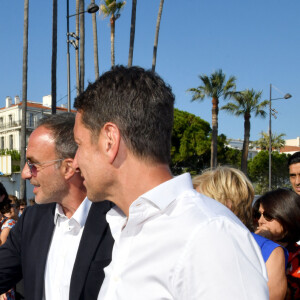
{"points": [[68, 168], [110, 140]]}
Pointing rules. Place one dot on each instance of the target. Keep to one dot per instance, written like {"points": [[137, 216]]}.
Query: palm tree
{"points": [[277, 141], [215, 87], [24, 97], [77, 50], [82, 43], [161, 4], [112, 8], [244, 104], [54, 57], [132, 32], [95, 39]]}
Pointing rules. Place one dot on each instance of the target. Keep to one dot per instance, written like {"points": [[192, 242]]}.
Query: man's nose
{"points": [[26, 173]]}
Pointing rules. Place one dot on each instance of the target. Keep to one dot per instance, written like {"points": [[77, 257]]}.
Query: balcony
{"points": [[30, 124]]}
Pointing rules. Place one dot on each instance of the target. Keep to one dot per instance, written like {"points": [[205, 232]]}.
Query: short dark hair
{"points": [[284, 206], [3, 191], [139, 102], [5, 206], [294, 159], [62, 126]]}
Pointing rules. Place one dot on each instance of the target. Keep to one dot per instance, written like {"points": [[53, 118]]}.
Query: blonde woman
{"points": [[232, 188]]}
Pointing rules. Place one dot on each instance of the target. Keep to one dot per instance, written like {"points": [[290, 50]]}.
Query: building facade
{"points": [[11, 120]]}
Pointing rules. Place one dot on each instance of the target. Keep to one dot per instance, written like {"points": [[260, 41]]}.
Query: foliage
{"points": [[15, 157], [191, 144], [112, 8], [258, 171], [226, 155], [215, 87], [277, 141], [245, 103]]}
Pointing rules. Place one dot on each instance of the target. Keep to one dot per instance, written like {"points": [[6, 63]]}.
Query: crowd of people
{"points": [[112, 223]]}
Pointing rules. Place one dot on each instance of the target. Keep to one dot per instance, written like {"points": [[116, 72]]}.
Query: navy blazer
{"points": [[24, 254]]}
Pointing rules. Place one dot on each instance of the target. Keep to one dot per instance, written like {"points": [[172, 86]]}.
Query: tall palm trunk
{"points": [[246, 143], [54, 57], [24, 97], [77, 50], [95, 39], [132, 33], [112, 38], [214, 139], [82, 43], [156, 34]]}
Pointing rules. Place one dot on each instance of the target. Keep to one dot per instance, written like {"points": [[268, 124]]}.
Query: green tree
{"points": [[244, 104], [215, 87], [277, 141], [226, 155], [190, 143], [112, 8], [132, 32], [161, 4], [258, 171]]}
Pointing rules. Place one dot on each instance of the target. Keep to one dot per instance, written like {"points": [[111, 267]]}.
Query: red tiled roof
{"points": [[289, 149], [39, 105]]}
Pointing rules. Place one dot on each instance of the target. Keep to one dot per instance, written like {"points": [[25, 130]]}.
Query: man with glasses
{"points": [[62, 245]]}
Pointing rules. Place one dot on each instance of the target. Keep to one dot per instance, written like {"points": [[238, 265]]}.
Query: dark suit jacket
{"points": [[24, 254]]}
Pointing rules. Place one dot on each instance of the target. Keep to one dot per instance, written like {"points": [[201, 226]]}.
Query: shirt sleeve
{"points": [[10, 259], [221, 261], [10, 223]]}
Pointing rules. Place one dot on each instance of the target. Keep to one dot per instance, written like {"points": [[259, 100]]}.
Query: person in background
{"points": [[294, 171], [232, 188], [167, 236], [3, 195], [278, 212], [22, 205], [10, 214]]}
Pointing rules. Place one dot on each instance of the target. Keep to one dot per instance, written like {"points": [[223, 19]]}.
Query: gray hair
{"points": [[62, 126]]}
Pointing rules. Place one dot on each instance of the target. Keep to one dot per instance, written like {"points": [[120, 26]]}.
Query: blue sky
{"points": [[257, 41]]}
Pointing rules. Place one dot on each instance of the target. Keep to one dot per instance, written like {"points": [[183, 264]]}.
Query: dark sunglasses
{"points": [[266, 216], [33, 166]]}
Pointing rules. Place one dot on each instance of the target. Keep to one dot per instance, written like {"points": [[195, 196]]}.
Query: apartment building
{"points": [[11, 118]]}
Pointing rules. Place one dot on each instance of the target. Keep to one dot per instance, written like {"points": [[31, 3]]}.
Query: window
{"points": [[2, 142], [10, 120], [11, 142]]}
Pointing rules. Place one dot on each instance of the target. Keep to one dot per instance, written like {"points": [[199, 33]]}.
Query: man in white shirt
{"points": [[56, 242], [170, 241]]}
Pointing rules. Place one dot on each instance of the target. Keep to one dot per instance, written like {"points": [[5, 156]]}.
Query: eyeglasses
{"points": [[33, 166], [265, 215]]}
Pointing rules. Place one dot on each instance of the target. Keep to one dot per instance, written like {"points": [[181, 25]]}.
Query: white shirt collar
{"points": [[80, 214], [163, 194]]}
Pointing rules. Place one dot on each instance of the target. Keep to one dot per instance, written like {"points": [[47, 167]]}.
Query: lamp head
{"points": [[287, 96], [92, 8]]}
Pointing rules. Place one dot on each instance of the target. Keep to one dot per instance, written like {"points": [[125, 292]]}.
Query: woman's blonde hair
{"points": [[231, 187]]}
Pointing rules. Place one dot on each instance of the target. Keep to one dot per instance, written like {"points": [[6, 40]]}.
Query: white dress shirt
{"points": [[179, 244], [62, 252]]}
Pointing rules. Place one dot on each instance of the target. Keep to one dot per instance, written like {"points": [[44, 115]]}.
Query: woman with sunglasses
{"points": [[277, 213], [232, 188]]}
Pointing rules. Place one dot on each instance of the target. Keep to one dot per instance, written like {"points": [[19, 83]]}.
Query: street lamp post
{"points": [[92, 8], [272, 112]]}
